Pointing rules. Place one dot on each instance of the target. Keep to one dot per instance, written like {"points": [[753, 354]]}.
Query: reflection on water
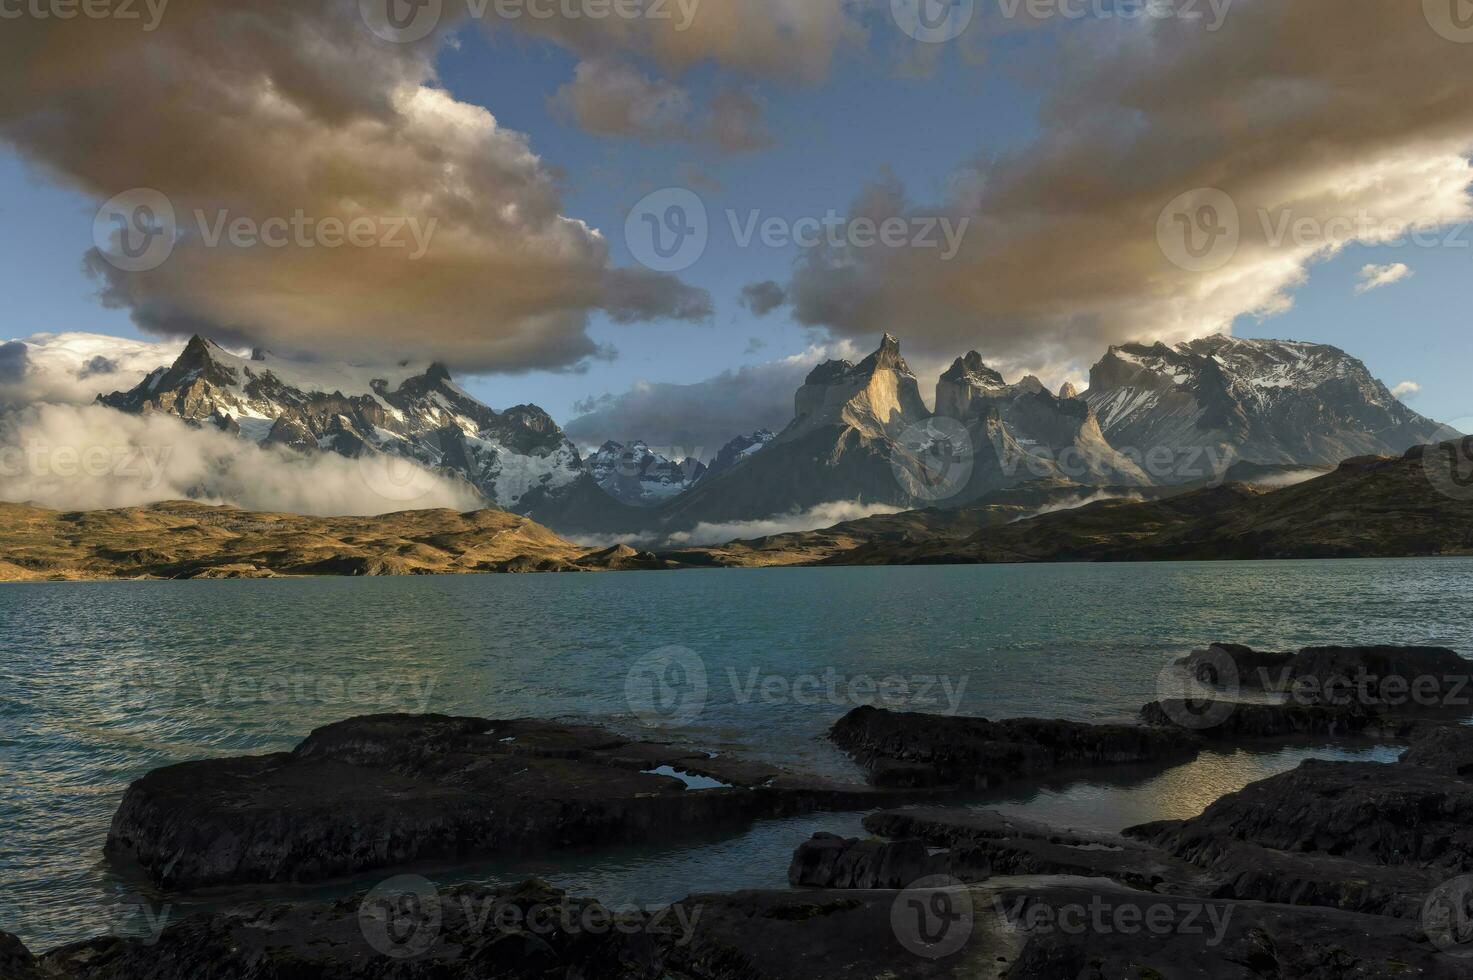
{"points": [[100, 683]]}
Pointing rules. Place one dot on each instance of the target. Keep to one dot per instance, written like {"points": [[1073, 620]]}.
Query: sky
{"points": [[1064, 152]]}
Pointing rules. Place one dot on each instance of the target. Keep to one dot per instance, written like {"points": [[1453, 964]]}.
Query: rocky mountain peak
{"points": [[1068, 391], [1268, 401], [878, 395], [975, 372]]}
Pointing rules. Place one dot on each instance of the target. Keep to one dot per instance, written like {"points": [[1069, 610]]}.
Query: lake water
{"points": [[101, 682]]}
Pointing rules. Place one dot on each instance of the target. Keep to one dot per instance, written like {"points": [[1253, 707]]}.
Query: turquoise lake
{"points": [[101, 682]]}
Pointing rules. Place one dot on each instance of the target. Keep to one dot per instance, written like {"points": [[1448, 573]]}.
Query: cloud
{"points": [[74, 368], [71, 457], [610, 98], [698, 419], [1377, 276], [633, 295], [755, 345], [763, 297], [791, 40], [1303, 116], [1406, 390], [306, 113], [736, 124], [822, 516]]}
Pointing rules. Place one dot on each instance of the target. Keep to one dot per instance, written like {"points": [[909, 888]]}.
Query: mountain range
{"points": [[862, 433]]}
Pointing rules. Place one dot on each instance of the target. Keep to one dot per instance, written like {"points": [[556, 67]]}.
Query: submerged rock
{"points": [[391, 790], [903, 749]]}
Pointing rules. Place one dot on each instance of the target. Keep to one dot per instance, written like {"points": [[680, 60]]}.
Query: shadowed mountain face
{"points": [[1022, 432], [1268, 401], [1368, 507]]}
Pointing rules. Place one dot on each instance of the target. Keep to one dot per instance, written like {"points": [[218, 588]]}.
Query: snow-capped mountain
{"points": [[636, 475], [416, 412], [739, 449], [1269, 401]]}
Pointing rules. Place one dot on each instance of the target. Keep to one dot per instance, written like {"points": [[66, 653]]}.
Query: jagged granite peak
{"points": [[1267, 401], [407, 410], [1068, 391], [975, 372], [879, 395]]}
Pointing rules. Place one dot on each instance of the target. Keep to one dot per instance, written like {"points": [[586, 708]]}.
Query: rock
{"points": [[463, 934], [902, 749], [1229, 663], [1448, 749], [1129, 934], [830, 861], [1355, 836], [1241, 719], [16, 962], [389, 790], [1384, 679], [1376, 814], [1266, 875], [849, 935], [984, 843]]}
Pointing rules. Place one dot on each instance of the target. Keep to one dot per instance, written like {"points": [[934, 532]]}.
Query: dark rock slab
{"points": [[831, 861], [1447, 749], [1380, 679], [16, 962], [1245, 720], [907, 749], [463, 934], [985, 843], [1393, 815], [1248, 871], [838, 935], [1214, 940], [391, 790], [1227, 664]]}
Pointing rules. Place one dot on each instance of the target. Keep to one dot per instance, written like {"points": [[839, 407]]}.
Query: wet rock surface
{"points": [[906, 749], [391, 790]]}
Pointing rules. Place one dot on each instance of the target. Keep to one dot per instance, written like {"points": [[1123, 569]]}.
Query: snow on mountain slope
{"points": [[412, 411], [1270, 401], [636, 475]]}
